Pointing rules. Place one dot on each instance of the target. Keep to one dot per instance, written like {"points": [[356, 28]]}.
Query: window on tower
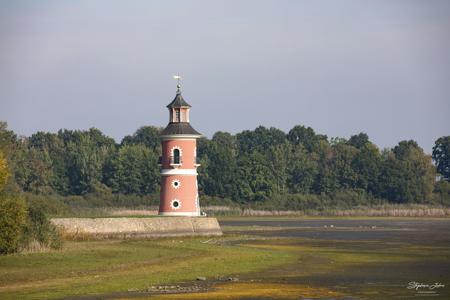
{"points": [[177, 115], [176, 156]]}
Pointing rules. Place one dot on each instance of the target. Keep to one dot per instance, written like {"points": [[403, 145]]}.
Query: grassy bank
{"points": [[102, 267]]}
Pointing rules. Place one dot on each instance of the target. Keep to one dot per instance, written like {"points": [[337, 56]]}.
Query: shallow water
{"points": [[423, 231]]}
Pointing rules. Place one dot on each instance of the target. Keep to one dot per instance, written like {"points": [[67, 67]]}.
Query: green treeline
{"points": [[23, 225], [249, 167]]}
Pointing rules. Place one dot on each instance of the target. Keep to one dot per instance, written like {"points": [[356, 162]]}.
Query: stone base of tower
{"points": [[138, 227]]}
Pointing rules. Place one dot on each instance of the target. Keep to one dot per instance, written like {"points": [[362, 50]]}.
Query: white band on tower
{"points": [[168, 172]]}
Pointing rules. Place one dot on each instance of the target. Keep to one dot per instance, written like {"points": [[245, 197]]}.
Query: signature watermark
{"points": [[425, 289]]}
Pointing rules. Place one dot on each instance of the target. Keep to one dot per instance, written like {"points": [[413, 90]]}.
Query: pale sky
{"points": [[341, 67]]}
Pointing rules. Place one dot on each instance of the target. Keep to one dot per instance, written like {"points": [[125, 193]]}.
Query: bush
{"points": [[39, 230], [13, 215], [24, 223]]}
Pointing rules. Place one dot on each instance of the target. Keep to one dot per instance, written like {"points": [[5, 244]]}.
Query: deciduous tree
{"points": [[441, 156]]}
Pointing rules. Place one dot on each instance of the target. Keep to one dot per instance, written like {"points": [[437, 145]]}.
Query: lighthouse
{"points": [[179, 189]]}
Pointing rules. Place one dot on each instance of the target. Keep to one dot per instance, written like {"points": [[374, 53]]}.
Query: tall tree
{"points": [[85, 155], [359, 140], [391, 178], [135, 171], [145, 135], [33, 170], [279, 159], [54, 146], [326, 181], [255, 181], [366, 164], [342, 170], [305, 136], [221, 166], [441, 156], [407, 174], [261, 139], [302, 170], [8, 139]]}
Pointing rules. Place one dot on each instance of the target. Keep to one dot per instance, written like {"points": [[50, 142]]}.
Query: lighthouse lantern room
{"points": [[179, 189]]}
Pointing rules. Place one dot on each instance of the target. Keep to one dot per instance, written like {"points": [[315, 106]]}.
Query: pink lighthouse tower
{"points": [[179, 190]]}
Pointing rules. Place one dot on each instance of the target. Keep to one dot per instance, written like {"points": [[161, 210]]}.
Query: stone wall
{"points": [[139, 227]]}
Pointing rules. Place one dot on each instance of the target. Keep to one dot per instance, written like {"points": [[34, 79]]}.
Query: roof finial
{"points": [[178, 78]]}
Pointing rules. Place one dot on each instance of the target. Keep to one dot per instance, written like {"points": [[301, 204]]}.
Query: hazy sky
{"points": [[341, 67]]}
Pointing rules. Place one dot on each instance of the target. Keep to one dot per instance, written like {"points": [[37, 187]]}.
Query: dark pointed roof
{"points": [[180, 128], [178, 101]]}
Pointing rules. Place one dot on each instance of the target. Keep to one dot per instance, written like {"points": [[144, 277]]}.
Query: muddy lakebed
{"points": [[357, 258]]}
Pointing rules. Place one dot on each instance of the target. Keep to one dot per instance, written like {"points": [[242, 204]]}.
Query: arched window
{"points": [[176, 156]]}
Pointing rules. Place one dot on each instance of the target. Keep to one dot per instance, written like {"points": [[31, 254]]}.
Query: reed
{"points": [[386, 210]]}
